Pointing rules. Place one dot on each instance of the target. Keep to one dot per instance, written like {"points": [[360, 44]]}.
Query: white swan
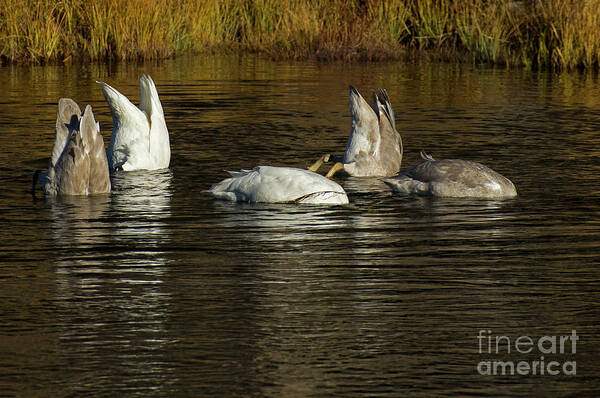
{"points": [[78, 165], [374, 147], [454, 178], [140, 139], [279, 185]]}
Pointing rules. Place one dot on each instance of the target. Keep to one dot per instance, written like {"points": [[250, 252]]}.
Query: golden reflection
{"points": [[78, 220]]}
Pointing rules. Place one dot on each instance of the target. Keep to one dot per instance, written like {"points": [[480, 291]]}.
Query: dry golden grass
{"points": [[535, 33]]}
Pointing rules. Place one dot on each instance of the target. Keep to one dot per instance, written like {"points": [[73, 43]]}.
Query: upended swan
{"points": [[140, 139], [78, 165], [455, 178], [374, 148], [279, 185]]}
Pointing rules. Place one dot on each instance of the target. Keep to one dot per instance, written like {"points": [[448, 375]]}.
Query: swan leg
{"points": [[334, 169], [315, 166]]}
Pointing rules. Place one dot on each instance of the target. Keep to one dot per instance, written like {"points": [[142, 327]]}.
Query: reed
{"points": [[533, 33]]}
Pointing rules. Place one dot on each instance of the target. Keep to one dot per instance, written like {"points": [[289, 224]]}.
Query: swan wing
{"points": [[99, 179], [72, 171], [451, 170], [149, 101], [431, 177], [159, 146], [364, 128], [390, 148], [461, 178], [131, 129], [67, 121], [385, 107]]}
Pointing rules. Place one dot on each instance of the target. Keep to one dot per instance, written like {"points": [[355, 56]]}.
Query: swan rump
{"points": [[78, 165], [279, 185], [140, 139]]}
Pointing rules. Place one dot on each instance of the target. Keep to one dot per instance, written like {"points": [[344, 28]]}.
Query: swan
{"points": [[78, 165], [454, 178], [140, 139], [279, 185], [374, 148]]}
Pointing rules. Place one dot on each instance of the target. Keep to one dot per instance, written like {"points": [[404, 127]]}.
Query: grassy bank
{"points": [[553, 34]]}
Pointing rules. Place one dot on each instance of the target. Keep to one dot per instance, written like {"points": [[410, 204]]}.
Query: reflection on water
{"points": [[157, 290], [140, 204], [77, 221], [292, 226], [111, 304]]}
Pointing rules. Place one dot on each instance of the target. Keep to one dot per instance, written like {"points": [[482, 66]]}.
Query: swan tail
{"points": [[426, 156], [237, 174]]}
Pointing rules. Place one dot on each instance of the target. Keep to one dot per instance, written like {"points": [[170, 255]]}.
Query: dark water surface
{"points": [[157, 290]]}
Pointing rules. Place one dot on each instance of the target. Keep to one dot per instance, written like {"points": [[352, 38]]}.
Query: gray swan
{"points": [[454, 178], [374, 148], [78, 165]]}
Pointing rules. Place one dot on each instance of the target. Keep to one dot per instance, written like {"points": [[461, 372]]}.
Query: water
{"points": [[157, 290]]}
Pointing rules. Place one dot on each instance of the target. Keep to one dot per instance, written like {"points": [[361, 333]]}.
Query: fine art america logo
{"points": [[551, 354]]}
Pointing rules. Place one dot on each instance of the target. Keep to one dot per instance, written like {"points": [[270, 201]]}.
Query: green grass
{"points": [[532, 33]]}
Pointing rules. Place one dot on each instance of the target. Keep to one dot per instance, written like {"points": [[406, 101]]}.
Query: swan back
{"points": [[279, 185]]}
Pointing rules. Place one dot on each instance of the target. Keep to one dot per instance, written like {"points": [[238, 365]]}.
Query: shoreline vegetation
{"points": [[536, 34]]}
